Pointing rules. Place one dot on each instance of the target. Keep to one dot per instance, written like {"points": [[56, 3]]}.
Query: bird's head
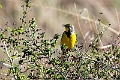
{"points": [[68, 28]]}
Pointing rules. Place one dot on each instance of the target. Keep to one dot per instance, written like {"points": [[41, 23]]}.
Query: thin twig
{"points": [[118, 19], [3, 74], [6, 65], [80, 28], [7, 52], [100, 42]]}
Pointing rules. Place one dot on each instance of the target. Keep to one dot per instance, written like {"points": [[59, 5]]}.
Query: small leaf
{"points": [[0, 6], [66, 64], [21, 61], [8, 29]]}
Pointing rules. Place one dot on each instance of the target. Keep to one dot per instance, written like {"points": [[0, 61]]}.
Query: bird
{"points": [[68, 37]]}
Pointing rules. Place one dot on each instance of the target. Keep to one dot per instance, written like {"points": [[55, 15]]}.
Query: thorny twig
{"points": [[9, 58]]}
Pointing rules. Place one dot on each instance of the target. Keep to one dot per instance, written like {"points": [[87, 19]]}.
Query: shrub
{"points": [[34, 53]]}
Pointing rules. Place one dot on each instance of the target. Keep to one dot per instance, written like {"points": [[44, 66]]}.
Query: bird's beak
{"points": [[63, 25]]}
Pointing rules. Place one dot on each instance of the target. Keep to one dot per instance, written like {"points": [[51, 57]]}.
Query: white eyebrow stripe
{"points": [[73, 29]]}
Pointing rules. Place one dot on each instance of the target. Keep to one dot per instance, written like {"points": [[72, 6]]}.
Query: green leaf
{"points": [[56, 36], [8, 29], [21, 61], [13, 56], [0, 6], [66, 64], [2, 35], [4, 60]]}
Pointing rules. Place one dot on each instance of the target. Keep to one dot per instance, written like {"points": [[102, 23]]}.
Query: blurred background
{"points": [[51, 14]]}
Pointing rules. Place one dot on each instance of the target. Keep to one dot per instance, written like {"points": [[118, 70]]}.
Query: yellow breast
{"points": [[64, 39], [68, 41], [72, 41]]}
